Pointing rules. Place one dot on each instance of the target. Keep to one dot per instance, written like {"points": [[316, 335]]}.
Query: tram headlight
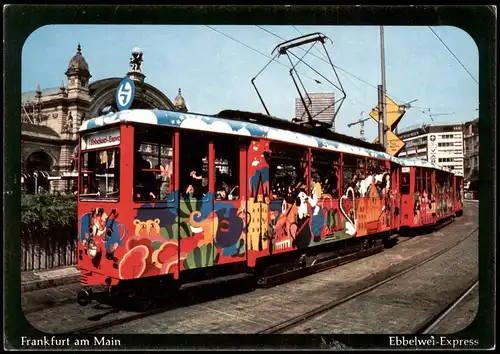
{"points": [[92, 249]]}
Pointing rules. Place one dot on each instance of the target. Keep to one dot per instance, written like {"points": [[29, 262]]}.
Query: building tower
{"points": [[71, 117], [78, 75], [180, 102]]}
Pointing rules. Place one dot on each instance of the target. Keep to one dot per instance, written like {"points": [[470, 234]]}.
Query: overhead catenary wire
{"points": [[449, 50], [337, 67]]}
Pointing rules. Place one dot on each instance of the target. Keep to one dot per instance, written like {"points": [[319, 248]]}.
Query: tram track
{"points": [[272, 281], [309, 315], [429, 326], [281, 326]]}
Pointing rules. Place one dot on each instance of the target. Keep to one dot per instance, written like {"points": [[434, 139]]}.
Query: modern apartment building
{"points": [[321, 107], [440, 144], [471, 150]]}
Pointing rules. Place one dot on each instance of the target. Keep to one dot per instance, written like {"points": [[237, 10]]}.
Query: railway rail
{"points": [[286, 324], [434, 322]]}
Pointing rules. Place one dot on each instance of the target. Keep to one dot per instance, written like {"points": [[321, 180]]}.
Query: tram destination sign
{"points": [[106, 138]]}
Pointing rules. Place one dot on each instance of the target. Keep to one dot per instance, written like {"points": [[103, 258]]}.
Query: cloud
{"points": [[99, 121], [221, 127], [290, 137], [306, 140], [330, 146], [192, 122], [138, 115], [281, 135], [244, 131]]}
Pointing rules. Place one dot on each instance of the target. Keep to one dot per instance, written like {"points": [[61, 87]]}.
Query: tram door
{"points": [[195, 213], [229, 190]]}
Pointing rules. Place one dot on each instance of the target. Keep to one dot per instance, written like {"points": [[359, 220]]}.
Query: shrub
{"points": [[48, 219]]}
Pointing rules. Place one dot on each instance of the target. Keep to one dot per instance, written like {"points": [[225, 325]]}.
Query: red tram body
{"points": [[170, 194], [429, 194]]}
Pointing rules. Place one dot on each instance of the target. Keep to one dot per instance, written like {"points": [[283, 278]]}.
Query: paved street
{"points": [[250, 312], [461, 316], [32, 301], [406, 303]]}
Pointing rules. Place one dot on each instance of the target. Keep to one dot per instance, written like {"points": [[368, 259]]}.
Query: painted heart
{"points": [[346, 203]]}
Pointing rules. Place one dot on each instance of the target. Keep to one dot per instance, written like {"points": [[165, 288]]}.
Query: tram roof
{"points": [[413, 162], [200, 122]]}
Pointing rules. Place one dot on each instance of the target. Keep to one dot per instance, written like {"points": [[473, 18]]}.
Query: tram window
{"points": [[418, 180], [428, 183], [325, 172], [100, 174], [405, 183], [194, 165], [350, 174], [424, 181], [153, 165], [287, 166], [227, 168]]}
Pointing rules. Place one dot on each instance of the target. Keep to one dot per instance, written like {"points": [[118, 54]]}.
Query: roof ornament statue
{"points": [[136, 60]]}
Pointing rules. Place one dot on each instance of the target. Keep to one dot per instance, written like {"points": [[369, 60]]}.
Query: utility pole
{"points": [[381, 134], [382, 99]]}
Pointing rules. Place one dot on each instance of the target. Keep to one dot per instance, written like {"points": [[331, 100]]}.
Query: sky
{"points": [[214, 70]]}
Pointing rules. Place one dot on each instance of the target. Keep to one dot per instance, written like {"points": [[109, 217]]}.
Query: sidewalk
{"points": [[42, 279]]}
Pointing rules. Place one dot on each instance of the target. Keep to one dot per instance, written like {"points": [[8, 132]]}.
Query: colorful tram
{"points": [[430, 194], [183, 197]]}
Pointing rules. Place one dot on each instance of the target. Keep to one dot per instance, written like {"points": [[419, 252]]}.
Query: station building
{"points": [[51, 118]]}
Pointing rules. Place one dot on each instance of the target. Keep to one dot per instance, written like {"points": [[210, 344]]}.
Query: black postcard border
{"points": [[478, 21]]}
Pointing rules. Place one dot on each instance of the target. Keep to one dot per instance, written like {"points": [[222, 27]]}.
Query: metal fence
{"points": [[48, 256]]}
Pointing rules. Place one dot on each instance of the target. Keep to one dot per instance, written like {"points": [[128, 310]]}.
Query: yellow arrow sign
{"points": [[394, 113], [394, 144]]}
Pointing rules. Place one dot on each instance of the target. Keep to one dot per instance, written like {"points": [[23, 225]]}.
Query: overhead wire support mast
{"points": [[382, 96]]}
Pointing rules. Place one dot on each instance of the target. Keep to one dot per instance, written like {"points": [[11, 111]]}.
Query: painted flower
{"points": [[133, 263]]}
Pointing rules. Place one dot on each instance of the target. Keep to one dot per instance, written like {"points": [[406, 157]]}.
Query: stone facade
{"points": [[51, 118]]}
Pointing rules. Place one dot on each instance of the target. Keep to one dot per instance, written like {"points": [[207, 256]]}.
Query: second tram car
{"points": [[427, 193]]}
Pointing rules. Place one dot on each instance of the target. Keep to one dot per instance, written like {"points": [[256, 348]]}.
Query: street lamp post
{"points": [[35, 176]]}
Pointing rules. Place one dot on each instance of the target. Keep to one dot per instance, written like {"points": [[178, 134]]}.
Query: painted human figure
{"points": [[416, 210], [318, 216]]}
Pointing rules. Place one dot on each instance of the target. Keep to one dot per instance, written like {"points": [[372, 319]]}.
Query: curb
{"points": [[48, 281]]}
